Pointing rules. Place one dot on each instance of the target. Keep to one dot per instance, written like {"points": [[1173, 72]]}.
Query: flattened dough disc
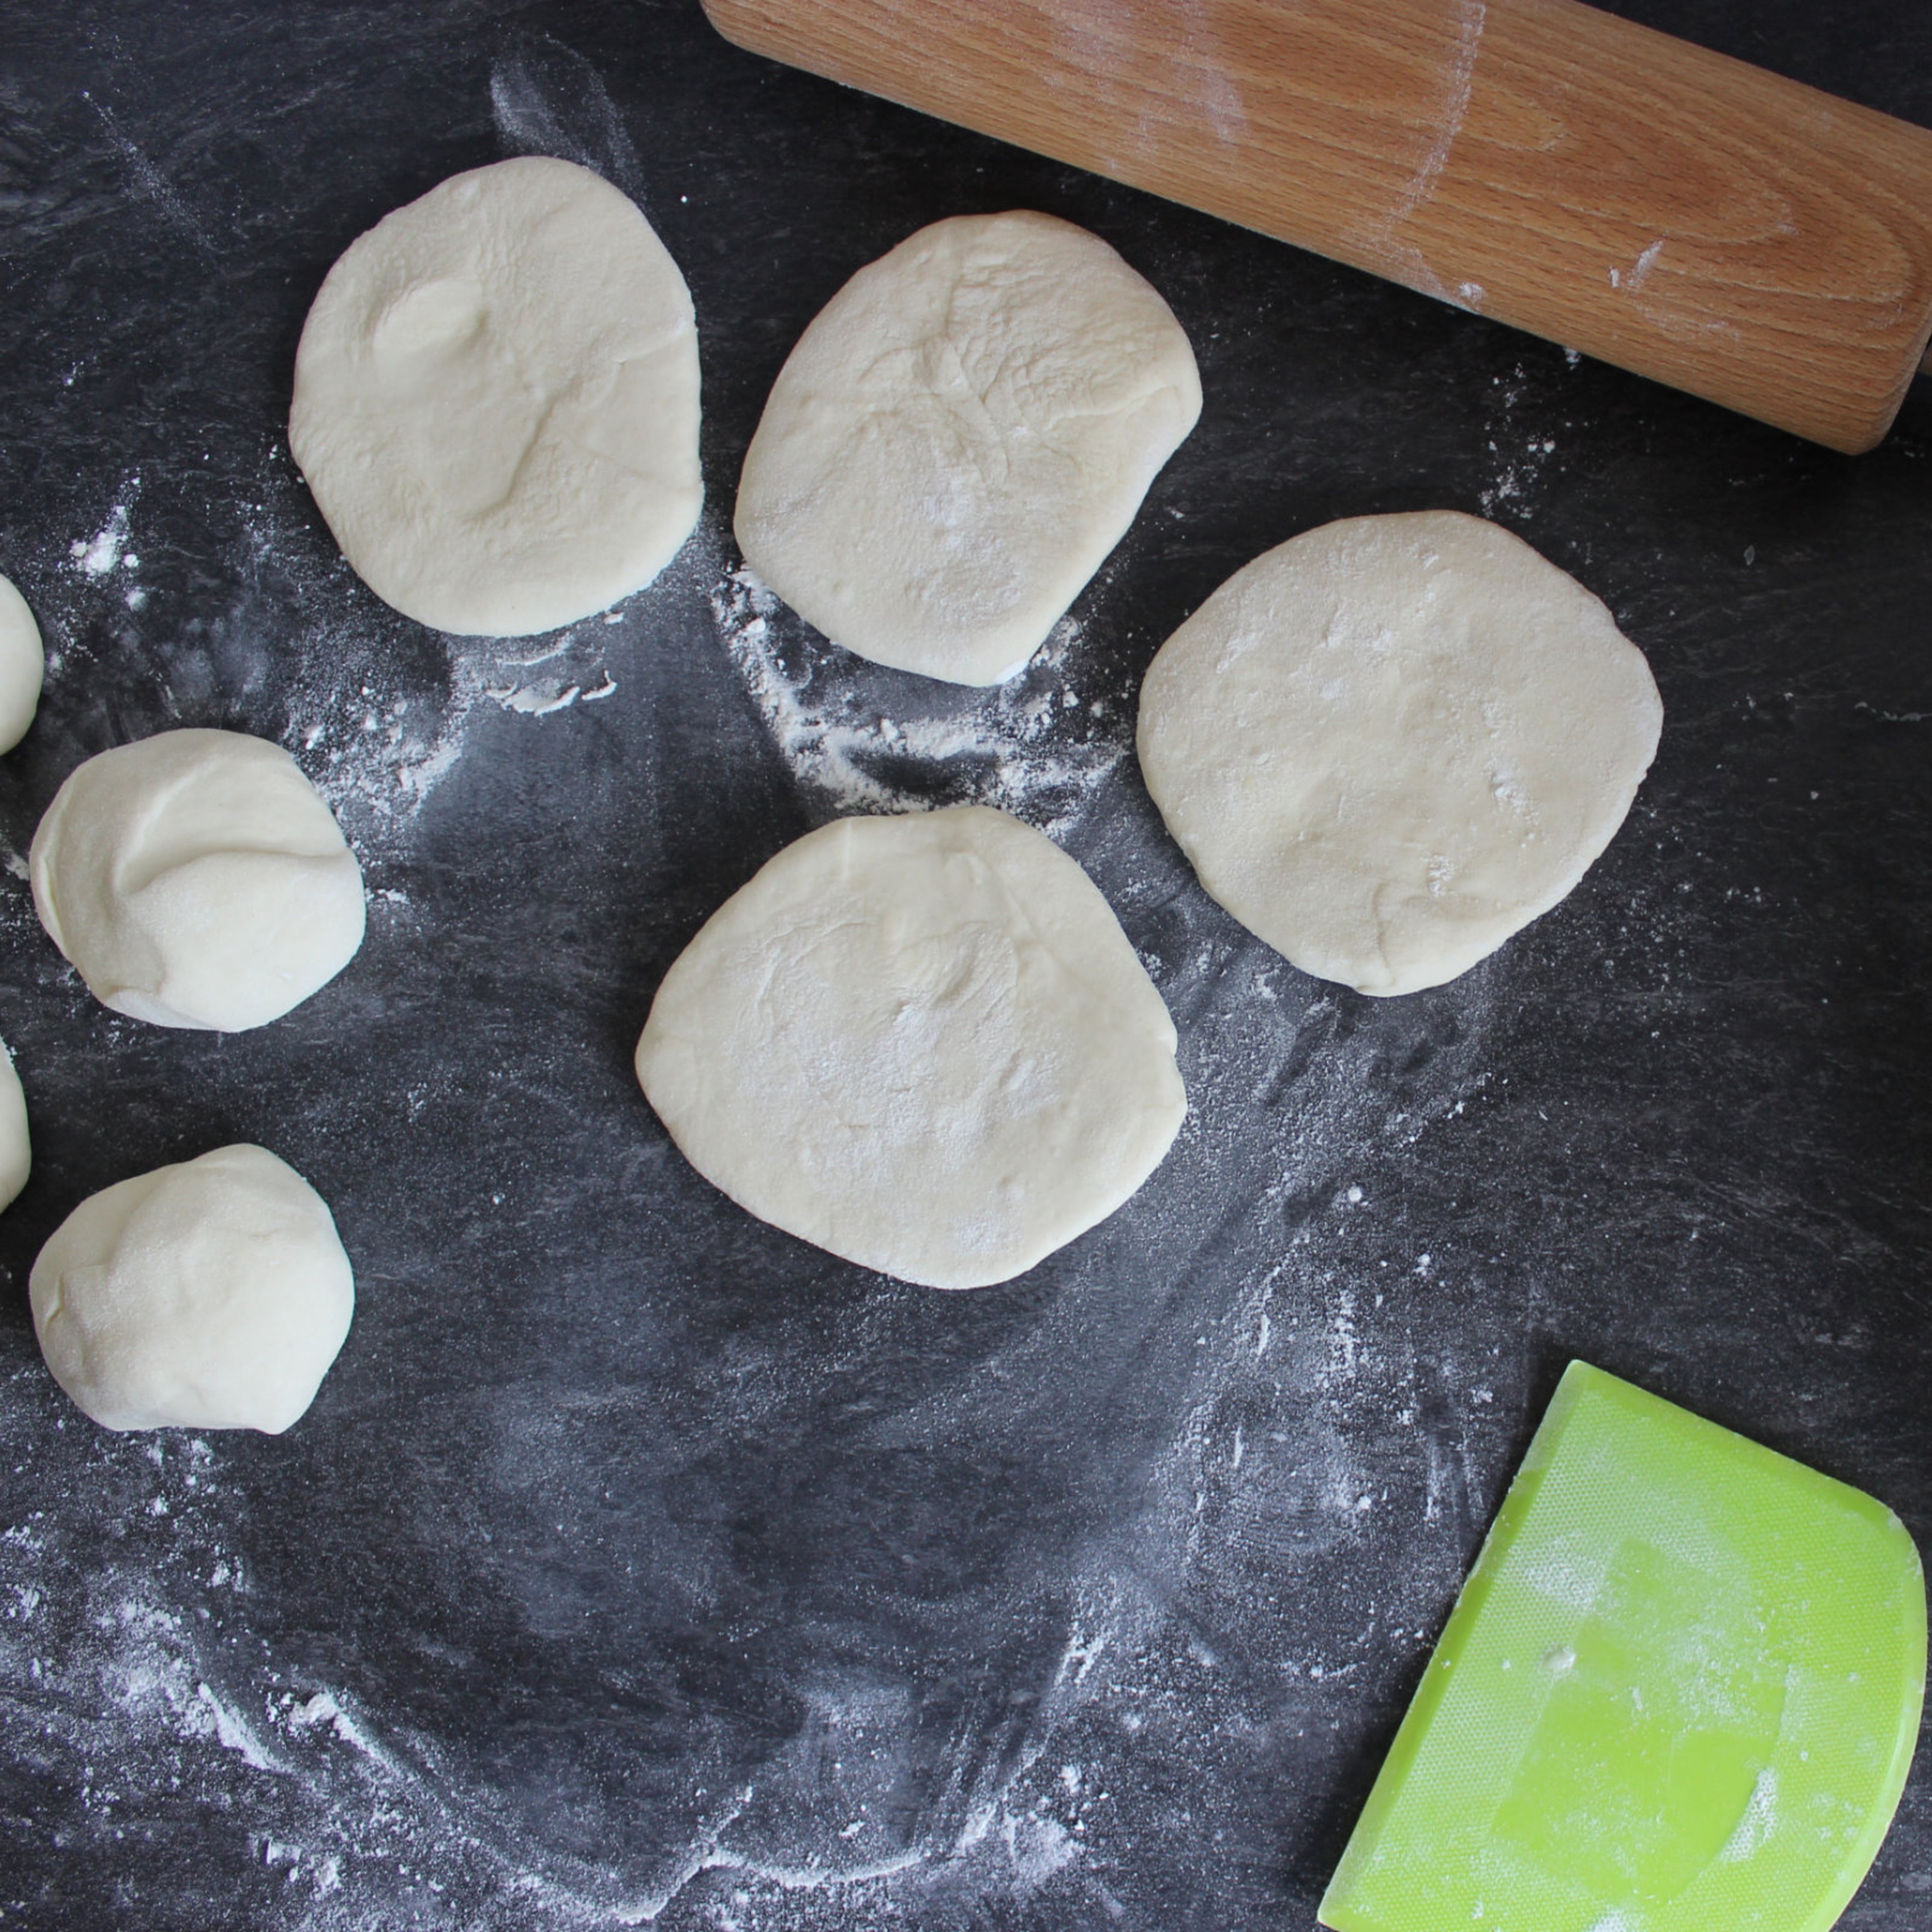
{"points": [[1394, 741], [960, 437], [495, 401], [921, 1042]]}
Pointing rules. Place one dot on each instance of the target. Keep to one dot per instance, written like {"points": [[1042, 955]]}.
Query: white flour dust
{"points": [[1188, 1625], [1524, 455], [368, 753], [1034, 746], [1259, 1357], [106, 553], [376, 741], [96, 557], [147, 1691], [377, 755], [376, 728], [564, 673]]}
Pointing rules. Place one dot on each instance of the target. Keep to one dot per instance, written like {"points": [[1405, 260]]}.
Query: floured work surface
{"points": [[635, 1559]]}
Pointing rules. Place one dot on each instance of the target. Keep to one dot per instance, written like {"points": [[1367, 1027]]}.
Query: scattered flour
{"points": [[96, 556], [376, 741], [564, 678], [233, 1732], [1522, 456], [106, 553], [1031, 746], [377, 756], [1258, 1367], [1254, 1365], [1759, 1820]]}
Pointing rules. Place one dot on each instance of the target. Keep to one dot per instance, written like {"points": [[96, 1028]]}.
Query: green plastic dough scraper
{"points": [[1679, 1694]]}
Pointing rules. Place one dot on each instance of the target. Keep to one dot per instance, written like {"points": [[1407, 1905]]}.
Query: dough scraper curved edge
{"points": [[1680, 1692]]}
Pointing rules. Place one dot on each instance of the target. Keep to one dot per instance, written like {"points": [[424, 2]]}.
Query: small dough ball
{"points": [[214, 1294], [495, 401], [23, 664], [16, 1156], [1392, 742], [197, 879], [923, 1043], [960, 437]]}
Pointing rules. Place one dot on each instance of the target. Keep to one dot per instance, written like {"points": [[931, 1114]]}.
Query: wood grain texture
{"points": [[1672, 211]]}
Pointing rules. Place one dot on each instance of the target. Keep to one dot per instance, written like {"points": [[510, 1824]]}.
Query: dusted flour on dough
{"points": [[214, 1294], [959, 438], [1393, 741], [23, 664], [197, 879], [497, 401], [921, 1042]]}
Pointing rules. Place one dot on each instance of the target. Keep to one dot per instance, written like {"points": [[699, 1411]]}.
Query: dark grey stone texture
{"points": [[639, 1564]]}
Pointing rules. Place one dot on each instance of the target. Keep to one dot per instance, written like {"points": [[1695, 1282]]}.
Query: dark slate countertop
{"points": [[639, 1564]]}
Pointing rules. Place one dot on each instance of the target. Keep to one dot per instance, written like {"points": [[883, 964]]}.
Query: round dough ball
{"points": [[495, 401], [960, 437], [197, 879], [23, 664], [923, 1043], [1393, 741], [16, 1155], [211, 1295]]}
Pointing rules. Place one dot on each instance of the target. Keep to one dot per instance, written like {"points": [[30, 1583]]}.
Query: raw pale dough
{"points": [[1393, 741], [212, 1294], [495, 401], [23, 664], [196, 879], [924, 1043], [958, 439], [16, 1158]]}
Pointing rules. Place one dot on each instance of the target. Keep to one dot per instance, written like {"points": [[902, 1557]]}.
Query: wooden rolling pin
{"points": [[1668, 209]]}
